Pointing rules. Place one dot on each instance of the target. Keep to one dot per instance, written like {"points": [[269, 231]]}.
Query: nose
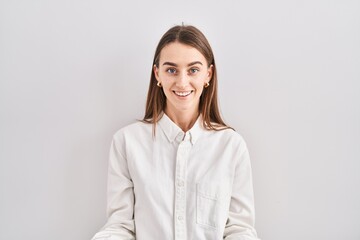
{"points": [[183, 80]]}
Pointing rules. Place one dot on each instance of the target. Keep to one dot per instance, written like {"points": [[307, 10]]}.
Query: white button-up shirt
{"points": [[174, 185]]}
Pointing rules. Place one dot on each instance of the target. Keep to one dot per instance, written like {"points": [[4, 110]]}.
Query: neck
{"points": [[184, 119]]}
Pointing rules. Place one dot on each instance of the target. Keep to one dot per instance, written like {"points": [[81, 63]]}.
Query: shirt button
{"points": [[180, 218], [180, 183]]}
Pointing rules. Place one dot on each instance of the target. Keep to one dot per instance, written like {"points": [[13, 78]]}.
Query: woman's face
{"points": [[182, 72]]}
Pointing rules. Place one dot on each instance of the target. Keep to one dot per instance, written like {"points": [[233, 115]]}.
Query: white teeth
{"points": [[182, 94]]}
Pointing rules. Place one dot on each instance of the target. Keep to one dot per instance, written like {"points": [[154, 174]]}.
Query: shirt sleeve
{"points": [[241, 219], [120, 198]]}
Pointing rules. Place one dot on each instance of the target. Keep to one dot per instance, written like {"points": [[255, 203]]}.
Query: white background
{"points": [[74, 72]]}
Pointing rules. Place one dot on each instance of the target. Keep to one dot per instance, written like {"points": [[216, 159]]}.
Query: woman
{"points": [[181, 173]]}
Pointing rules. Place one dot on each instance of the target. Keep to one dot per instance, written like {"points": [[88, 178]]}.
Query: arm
{"points": [[120, 199], [241, 220]]}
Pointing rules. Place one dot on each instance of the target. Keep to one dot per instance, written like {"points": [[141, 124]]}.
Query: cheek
{"points": [[200, 90], [166, 86], [167, 82], [200, 81]]}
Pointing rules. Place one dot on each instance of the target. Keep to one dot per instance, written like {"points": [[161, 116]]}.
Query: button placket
{"points": [[180, 189]]}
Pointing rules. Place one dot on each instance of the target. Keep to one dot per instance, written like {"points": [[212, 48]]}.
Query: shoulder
{"points": [[230, 137], [137, 129], [227, 134]]}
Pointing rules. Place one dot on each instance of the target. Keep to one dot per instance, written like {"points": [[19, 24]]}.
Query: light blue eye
{"points": [[194, 70], [171, 70]]}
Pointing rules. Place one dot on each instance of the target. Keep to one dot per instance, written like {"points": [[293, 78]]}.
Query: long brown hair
{"points": [[156, 99]]}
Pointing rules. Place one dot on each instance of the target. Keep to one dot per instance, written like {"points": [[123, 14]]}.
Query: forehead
{"points": [[180, 53]]}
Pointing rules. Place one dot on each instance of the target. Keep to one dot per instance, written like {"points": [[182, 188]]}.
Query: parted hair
{"points": [[156, 99]]}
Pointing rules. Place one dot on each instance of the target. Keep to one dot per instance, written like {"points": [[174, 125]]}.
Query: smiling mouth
{"points": [[183, 94]]}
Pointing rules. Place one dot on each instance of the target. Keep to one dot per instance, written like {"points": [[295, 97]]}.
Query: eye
{"points": [[194, 70], [171, 70]]}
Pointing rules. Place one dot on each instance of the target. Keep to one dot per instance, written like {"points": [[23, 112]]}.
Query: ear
{"points": [[156, 72], [210, 72]]}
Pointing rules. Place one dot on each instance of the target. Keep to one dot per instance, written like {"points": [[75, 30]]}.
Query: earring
{"points": [[206, 85], [159, 84]]}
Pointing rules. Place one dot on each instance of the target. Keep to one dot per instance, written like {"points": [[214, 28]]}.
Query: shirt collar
{"points": [[174, 133]]}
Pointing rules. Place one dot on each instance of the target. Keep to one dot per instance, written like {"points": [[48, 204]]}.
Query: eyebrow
{"points": [[175, 65]]}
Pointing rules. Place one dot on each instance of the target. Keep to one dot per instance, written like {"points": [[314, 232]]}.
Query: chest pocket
{"points": [[208, 204]]}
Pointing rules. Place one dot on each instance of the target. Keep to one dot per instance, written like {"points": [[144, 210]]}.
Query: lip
{"points": [[183, 94]]}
